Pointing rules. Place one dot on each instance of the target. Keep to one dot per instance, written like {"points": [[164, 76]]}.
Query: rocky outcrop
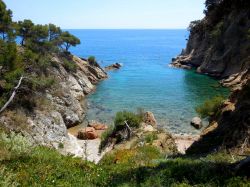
{"points": [[97, 125], [232, 129], [196, 122], [115, 66], [88, 133], [219, 44], [149, 119], [60, 107]]}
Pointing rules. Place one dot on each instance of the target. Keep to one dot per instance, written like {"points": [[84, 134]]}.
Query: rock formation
{"points": [[61, 107], [219, 44], [115, 66]]}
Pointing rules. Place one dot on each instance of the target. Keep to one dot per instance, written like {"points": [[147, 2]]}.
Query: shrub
{"points": [[12, 78], [105, 137], [7, 178], [210, 107], [149, 138], [92, 61], [131, 118], [217, 31], [60, 145], [69, 66], [196, 26], [42, 82], [13, 146]]}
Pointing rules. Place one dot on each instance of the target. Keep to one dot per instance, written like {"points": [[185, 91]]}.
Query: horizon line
{"points": [[124, 28]]}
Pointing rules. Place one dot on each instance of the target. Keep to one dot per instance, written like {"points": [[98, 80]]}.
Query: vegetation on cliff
{"points": [[219, 44], [32, 58], [25, 164]]}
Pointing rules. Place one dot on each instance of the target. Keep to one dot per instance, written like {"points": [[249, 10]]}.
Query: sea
{"points": [[145, 81]]}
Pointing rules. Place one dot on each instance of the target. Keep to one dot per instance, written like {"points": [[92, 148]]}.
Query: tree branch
{"points": [[12, 95]]}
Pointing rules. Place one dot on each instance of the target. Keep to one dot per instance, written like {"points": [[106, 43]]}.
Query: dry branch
{"points": [[12, 95]]}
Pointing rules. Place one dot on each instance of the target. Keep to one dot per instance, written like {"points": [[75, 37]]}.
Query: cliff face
{"points": [[57, 108], [232, 127], [219, 44]]}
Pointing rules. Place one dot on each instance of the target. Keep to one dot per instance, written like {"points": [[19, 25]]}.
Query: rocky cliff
{"points": [[219, 44], [231, 130], [57, 108]]}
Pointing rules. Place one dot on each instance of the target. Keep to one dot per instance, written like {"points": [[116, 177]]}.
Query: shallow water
{"points": [[145, 80]]}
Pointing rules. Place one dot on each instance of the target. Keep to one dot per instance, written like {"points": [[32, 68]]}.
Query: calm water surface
{"points": [[145, 80]]}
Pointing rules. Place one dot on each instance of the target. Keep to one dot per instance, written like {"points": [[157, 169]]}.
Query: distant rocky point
{"points": [[115, 66]]}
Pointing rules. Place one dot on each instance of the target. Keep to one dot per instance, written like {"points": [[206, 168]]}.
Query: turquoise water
{"points": [[145, 80]]}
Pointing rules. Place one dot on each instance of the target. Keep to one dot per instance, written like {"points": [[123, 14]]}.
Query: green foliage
{"points": [[92, 61], [24, 30], [67, 40], [105, 137], [13, 146], [70, 66], [12, 77], [8, 55], [142, 166], [41, 83], [151, 137], [6, 31], [217, 31], [195, 26], [7, 178], [54, 33], [210, 107], [131, 118], [61, 145]]}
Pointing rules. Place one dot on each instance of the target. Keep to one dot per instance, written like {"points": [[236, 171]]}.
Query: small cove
{"points": [[145, 80]]}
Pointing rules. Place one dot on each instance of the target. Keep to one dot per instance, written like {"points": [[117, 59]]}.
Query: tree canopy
{"points": [[68, 40], [5, 22]]}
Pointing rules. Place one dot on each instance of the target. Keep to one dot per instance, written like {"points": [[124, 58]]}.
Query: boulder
{"points": [[115, 66], [149, 119], [98, 126], [70, 119], [88, 133], [196, 122], [149, 128]]}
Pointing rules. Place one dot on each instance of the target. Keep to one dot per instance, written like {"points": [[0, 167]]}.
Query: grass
{"points": [[142, 166], [151, 137]]}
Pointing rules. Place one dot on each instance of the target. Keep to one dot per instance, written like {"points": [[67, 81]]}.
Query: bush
{"points": [[217, 31], [105, 137], [131, 118], [12, 78], [151, 137], [210, 107], [69, 66], [7, 178], [14, 146], [42, 82], [92, 61]]}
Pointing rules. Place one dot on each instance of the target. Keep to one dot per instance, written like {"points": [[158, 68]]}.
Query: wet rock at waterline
{"points": [[115, 66], [196, 122]]}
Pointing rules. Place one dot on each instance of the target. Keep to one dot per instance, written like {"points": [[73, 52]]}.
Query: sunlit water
{"points": [[145, 80]]}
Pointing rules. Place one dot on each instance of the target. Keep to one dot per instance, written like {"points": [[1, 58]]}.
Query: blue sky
{"points": [[103, 14]]}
